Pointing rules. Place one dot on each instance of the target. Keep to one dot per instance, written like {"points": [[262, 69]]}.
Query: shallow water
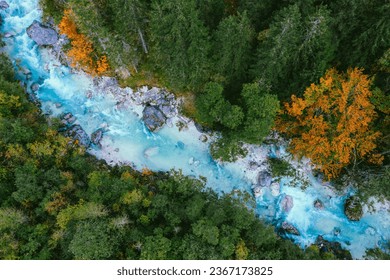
{"points": [[127, 140]]}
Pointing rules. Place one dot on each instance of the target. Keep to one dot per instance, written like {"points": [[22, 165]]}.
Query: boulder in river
{"points": [[41, 34], [318, 204], [258, 191], [353, 208], [334, 248], [97, 136], [289, 229], [34, 87], [264, 179], [287, 203], [153, 118], [68, 119], [9, 34], [3, 5], [203, 138], [77, 133]]}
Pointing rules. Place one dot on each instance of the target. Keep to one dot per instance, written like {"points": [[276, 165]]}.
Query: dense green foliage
{"points": [[56, 202], [214, 48]]}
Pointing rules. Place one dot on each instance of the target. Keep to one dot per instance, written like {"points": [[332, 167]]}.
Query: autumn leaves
{"points": [[81, 53], [332, 123]]}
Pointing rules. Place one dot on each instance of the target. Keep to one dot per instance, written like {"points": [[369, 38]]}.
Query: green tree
{"points": [[232, 50], [180, 43], [156, 247], [363, 31], [261, 109], [295, 51], [213, 108], [93, 240]]}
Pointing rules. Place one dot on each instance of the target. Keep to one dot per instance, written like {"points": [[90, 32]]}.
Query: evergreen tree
{"points": [[180, 43]]}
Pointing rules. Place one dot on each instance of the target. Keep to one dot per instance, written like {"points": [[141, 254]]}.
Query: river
{"points": [[102, 104]]}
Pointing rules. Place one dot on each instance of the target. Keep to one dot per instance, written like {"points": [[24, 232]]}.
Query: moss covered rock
{"points": [[353, 208]]}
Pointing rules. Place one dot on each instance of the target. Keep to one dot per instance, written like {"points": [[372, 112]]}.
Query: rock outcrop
{"points": [[264, 179], [41, 34], [68, 119], [97, 136], [288, 228], [77, 133], [318, 204], [353, 208], [153, 118], [3, 5], [287, 203]]}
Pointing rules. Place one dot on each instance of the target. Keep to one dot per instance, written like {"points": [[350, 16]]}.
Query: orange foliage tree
{"points": [[81, 51], [332, 123]]}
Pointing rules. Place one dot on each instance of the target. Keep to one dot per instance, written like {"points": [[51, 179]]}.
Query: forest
{"points": [[315, 72]]}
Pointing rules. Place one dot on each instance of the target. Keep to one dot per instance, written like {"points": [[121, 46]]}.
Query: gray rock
{"points": [[151, 95], [203, 138], [77, 133], [258, 191], [264, 179], [3, 5], [34, 87], [97, 136], [68, 119], [287, 203], [289, 228], [26, 71], [9, 34], [318, 204], [153, 118], [253, 165], [41, 34], [167, 109]]}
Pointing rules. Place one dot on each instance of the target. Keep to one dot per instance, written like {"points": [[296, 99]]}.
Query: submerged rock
{"points": [[77, 133], [318, 204], [3, 5], [41, 34], [264, 179], [353, 208], [34, 87], [287, 203], [97, 136], [151, 151], [289, 229], [335, 248], [9, 34], [153, 118]]}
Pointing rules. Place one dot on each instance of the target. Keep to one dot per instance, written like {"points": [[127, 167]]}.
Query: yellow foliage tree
{"points": [[331, 124], [82, 49]]}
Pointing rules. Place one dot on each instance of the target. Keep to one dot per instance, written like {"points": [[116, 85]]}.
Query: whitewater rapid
{"points": [[126, 140]]}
